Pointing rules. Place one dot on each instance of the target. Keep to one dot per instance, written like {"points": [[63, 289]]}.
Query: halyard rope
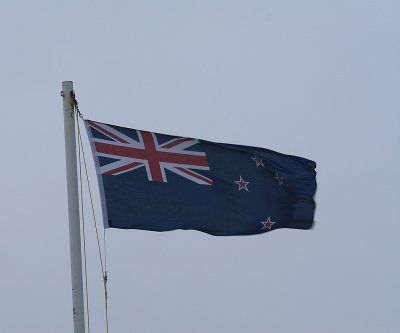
{"points": [[103, 266], [83, 233]]}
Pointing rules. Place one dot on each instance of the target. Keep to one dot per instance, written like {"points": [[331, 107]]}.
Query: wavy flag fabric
{"points": [[161, 182]]}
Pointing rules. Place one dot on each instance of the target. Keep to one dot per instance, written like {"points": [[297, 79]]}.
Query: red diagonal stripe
{"points": [[101, 129], [123, 168], [176, 142], [196, 175]]}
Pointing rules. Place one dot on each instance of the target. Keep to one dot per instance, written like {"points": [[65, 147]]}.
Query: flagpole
{"points": [[73, 207]]}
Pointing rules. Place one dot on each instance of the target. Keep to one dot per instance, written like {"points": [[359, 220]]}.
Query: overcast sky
{"points": [[318, 79]]}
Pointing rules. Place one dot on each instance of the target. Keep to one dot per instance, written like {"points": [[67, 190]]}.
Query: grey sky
{"points": [[318, 79]]}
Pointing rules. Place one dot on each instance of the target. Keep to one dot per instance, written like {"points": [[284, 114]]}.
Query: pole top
{"points": [[67, 93], [67, 86]]}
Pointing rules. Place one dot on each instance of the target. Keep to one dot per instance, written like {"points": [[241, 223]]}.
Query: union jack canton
{"points": [[147, 152]]}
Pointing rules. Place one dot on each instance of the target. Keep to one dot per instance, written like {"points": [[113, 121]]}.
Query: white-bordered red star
{"points": [[242, 184], [267, 224], [258, 160], [279, 179]]}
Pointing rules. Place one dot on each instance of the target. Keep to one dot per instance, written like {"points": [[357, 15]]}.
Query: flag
{"points": [[161, 182]]}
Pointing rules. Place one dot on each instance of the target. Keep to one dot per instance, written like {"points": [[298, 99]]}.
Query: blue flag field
{"points": [[160, 182]]}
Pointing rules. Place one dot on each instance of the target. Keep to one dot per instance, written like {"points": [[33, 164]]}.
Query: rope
{"points": [[103, 267], [84, 235], [91, 201], [105, 276]]}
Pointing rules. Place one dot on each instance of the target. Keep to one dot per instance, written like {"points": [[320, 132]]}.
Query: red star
{"points": [[267, 224], [242, 184], [258, 160]]}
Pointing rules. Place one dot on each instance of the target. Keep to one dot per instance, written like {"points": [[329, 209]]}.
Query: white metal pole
{"points": [[73, 208]]}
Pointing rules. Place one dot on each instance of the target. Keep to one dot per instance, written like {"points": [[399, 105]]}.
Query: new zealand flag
{"points": [[160, 182]]}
